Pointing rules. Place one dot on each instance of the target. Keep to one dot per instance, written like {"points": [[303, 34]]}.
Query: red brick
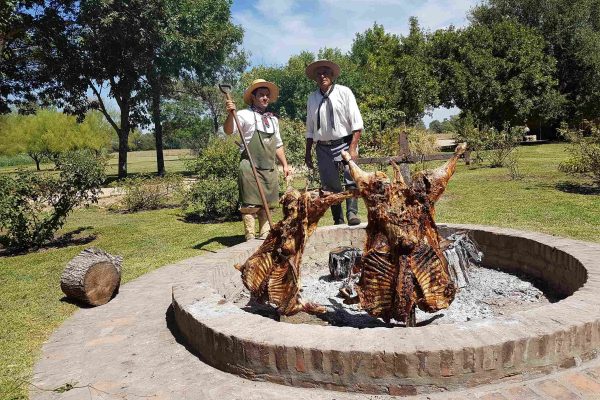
{"points": [[281, 358], [447, 363], [556, 391], [583, 384], [300, 367], [317, 360], [521, 393], [337, 363]]}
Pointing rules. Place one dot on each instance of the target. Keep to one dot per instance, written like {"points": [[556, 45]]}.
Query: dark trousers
{"points": [[329, 159]]}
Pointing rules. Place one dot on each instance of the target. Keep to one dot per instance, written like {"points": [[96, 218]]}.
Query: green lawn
{"points": [[30, 296], [143, 162], [138, 162]]}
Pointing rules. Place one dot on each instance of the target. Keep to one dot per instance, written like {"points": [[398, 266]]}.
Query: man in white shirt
{"points": [[260, 130], [333, 123]]}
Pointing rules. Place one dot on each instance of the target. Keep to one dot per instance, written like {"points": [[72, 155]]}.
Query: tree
{"points": [[185, 124], [127, 50], [96, 45], [436, 126], [50, 134], [498, 73], [197, 103], [16, 84], [396, 81], [192, 38], [571, 32], [294, 86]]}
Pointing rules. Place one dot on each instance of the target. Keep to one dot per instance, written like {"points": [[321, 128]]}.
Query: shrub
{"points": [[34, 206], [150, 193], [212, 199], [293, 134], [489, 143], [219, 159], [500, 145], [215, 195], [584, 150]]}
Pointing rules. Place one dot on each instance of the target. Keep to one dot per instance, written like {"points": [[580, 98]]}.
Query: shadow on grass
{"points": [[578, 188], [75, 237], [82, 304], [226, 241], [195, 219], [75, 302]]}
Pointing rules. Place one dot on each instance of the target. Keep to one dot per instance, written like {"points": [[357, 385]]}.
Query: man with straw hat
{"points": [[333, 123], [260, 130]]}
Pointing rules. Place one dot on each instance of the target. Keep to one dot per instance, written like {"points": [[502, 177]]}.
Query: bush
{"points": [[500, 145], [496, 146], [215, 195], [584, 150], [212, 199], [219, 159], [420, 142], [34, 206], [293, 134], [150, 193]]}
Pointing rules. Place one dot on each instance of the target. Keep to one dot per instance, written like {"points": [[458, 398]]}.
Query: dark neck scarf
{"points": [[329, 108], [266, 116]]}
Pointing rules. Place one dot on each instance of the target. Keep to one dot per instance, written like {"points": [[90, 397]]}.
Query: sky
{"points": [[274, 30]]}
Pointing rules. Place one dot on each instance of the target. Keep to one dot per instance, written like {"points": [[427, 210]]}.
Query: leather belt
{"points": [[335, 142]]}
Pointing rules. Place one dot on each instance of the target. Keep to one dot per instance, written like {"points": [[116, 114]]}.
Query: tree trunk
{"points": [[92, 277], [156, 87], [123, 140], [37, 163]]}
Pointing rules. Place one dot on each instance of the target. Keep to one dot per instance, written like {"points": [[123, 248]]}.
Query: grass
{"points": [[144, 162], [488, 196], [30, 296], [138, 162], [16, 160]]}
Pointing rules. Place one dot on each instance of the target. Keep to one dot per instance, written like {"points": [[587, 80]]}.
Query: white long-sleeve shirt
{"points": [[346, 115], [247, 125]]}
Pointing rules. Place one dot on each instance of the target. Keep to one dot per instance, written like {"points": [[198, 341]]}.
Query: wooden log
{"points": [[92, 277], [341, 261]]}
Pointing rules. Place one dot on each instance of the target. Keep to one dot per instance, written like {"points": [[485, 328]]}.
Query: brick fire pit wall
{"points": [[403, 360]]}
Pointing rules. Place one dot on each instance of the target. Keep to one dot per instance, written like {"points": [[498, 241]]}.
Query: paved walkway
{"points": [[129, 349]]}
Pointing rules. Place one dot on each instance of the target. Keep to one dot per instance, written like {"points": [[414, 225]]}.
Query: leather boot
{"points": [[263, 224], [352, 212], [248, 220], [338, 214]]}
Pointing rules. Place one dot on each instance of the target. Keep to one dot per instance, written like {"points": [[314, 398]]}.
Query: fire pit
{"points": [[398, 360], [490, 294]]}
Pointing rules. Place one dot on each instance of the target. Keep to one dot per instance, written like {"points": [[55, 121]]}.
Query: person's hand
{"points": [[353, 153], [230, 105], [287, 172], [308, 160]]}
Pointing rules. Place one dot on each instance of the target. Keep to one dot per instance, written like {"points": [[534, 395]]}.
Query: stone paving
{"points": [[130, 349]]}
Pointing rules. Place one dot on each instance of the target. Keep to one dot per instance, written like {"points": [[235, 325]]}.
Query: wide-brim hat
{"points": [[258, 83], [312, 68]]}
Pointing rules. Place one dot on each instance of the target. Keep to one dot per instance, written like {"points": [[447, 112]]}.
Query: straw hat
{"points": [[258, 83], [311, 69]]}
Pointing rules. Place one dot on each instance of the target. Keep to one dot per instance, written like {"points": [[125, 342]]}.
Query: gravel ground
{"points": [[491, 293]]}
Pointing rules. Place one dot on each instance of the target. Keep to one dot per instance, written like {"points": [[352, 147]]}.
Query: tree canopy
{"points": [[571, 36]]}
